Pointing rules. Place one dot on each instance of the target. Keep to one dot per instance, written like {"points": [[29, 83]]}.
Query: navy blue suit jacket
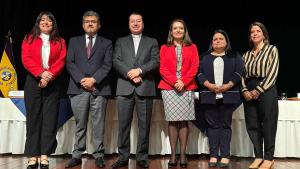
{"points": [[233, 71], [97, 66]]}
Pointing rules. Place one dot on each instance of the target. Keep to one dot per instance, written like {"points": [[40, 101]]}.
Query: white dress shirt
{"points": [[87, 39], [136, 42]]}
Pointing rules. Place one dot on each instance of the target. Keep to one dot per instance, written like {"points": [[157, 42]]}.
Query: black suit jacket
{"points": [[147, 58], [97, 66]]}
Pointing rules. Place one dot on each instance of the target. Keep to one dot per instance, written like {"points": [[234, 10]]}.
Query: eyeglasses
{"points": [[90, 21]]}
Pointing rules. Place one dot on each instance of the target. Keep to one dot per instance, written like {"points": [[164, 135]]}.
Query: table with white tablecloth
{"points": [[13, 132]]}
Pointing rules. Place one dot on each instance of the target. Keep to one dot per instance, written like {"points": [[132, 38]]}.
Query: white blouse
{"points": [[218, 73], [45, 50]]}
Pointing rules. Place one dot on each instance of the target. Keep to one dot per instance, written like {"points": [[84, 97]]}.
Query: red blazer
{"points": [[190, 65], [32, 57]]}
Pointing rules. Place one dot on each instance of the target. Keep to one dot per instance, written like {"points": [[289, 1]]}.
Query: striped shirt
{"points": [[264, 65]]}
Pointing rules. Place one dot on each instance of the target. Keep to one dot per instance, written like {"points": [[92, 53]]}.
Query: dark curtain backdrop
{"points": [[202, 18]]}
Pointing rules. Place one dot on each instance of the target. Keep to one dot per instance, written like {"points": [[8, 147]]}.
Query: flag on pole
{"points": [[8, 75]]}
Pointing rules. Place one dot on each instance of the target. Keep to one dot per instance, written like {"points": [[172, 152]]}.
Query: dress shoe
{"points": [[32, 163], [32, 166], [172, 164], [212, 164], [143, 163], [119, 164], [223, 165], [267, 164], [183, 164], [44, 164], [100, 162], [73, 162], [256, 163]]}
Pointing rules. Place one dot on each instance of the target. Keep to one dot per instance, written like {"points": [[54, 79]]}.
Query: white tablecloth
{"points": [[13, 132]]}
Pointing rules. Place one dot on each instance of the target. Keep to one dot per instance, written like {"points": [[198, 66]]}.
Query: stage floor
{"points": [[9, 161]]}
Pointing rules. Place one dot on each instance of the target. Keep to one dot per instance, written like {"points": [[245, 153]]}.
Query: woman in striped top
{"points": [[260, 93]]}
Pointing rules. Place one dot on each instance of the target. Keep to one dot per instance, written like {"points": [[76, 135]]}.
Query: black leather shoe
{"points": [[44, 166], [33, 166], [172, 164], [183, 164], [119, 164], [73, 162], [143, 163], [100, 162]]}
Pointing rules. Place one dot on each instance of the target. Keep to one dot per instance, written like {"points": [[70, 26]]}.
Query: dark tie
{"points": [[89, 47]]}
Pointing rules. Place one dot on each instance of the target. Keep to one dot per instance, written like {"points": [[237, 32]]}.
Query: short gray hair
{"points": [[91, 13]]}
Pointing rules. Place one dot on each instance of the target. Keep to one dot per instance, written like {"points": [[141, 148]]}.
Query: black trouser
{"points": [[41, 117], [219, 118], [261, 121]]}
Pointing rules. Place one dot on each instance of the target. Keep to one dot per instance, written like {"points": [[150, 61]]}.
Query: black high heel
{"points": [[44, 166], [172, 164], [183, 164], [32, 166]]}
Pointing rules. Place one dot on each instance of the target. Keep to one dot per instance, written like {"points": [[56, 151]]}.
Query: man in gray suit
{"points": [[135, 57], [89, 60]]}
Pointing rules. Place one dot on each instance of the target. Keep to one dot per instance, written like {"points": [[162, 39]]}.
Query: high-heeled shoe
{"points": [[183, 164], [44, 164], [256, 163], [223, 164], [32, 163], [172, 164], [214, 163], [267, 164], [32, 166]]}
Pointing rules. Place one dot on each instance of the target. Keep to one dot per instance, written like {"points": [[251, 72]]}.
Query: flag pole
{"points": [[9, 40], [8, 35]]}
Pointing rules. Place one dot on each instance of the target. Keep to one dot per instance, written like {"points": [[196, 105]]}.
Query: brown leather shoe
{"points": [[267, 164], [256, 163]]}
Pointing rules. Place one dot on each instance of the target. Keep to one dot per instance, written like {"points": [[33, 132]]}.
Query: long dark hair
{"points": [[187, 41], [35, 32], [264, 31], [228, 49]]}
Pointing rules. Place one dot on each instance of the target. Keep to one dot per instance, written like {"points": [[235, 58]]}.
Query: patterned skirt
{"points": [[178, 106]]}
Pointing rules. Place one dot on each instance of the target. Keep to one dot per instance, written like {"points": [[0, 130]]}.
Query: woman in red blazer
{"points": [[43, 56], [179, 63]]}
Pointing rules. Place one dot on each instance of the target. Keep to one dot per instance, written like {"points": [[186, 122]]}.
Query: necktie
{"points": [[89, 47]]}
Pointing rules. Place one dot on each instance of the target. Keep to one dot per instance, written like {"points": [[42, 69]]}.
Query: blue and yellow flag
{"points": [[8, 75]]}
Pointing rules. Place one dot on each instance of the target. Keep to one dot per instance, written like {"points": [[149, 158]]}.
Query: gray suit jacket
{"points": [[97, 66], [147, 58]]}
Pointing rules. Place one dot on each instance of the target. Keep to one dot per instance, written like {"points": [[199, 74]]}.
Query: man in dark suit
{"points": [[89, 61], [135, 58]]}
